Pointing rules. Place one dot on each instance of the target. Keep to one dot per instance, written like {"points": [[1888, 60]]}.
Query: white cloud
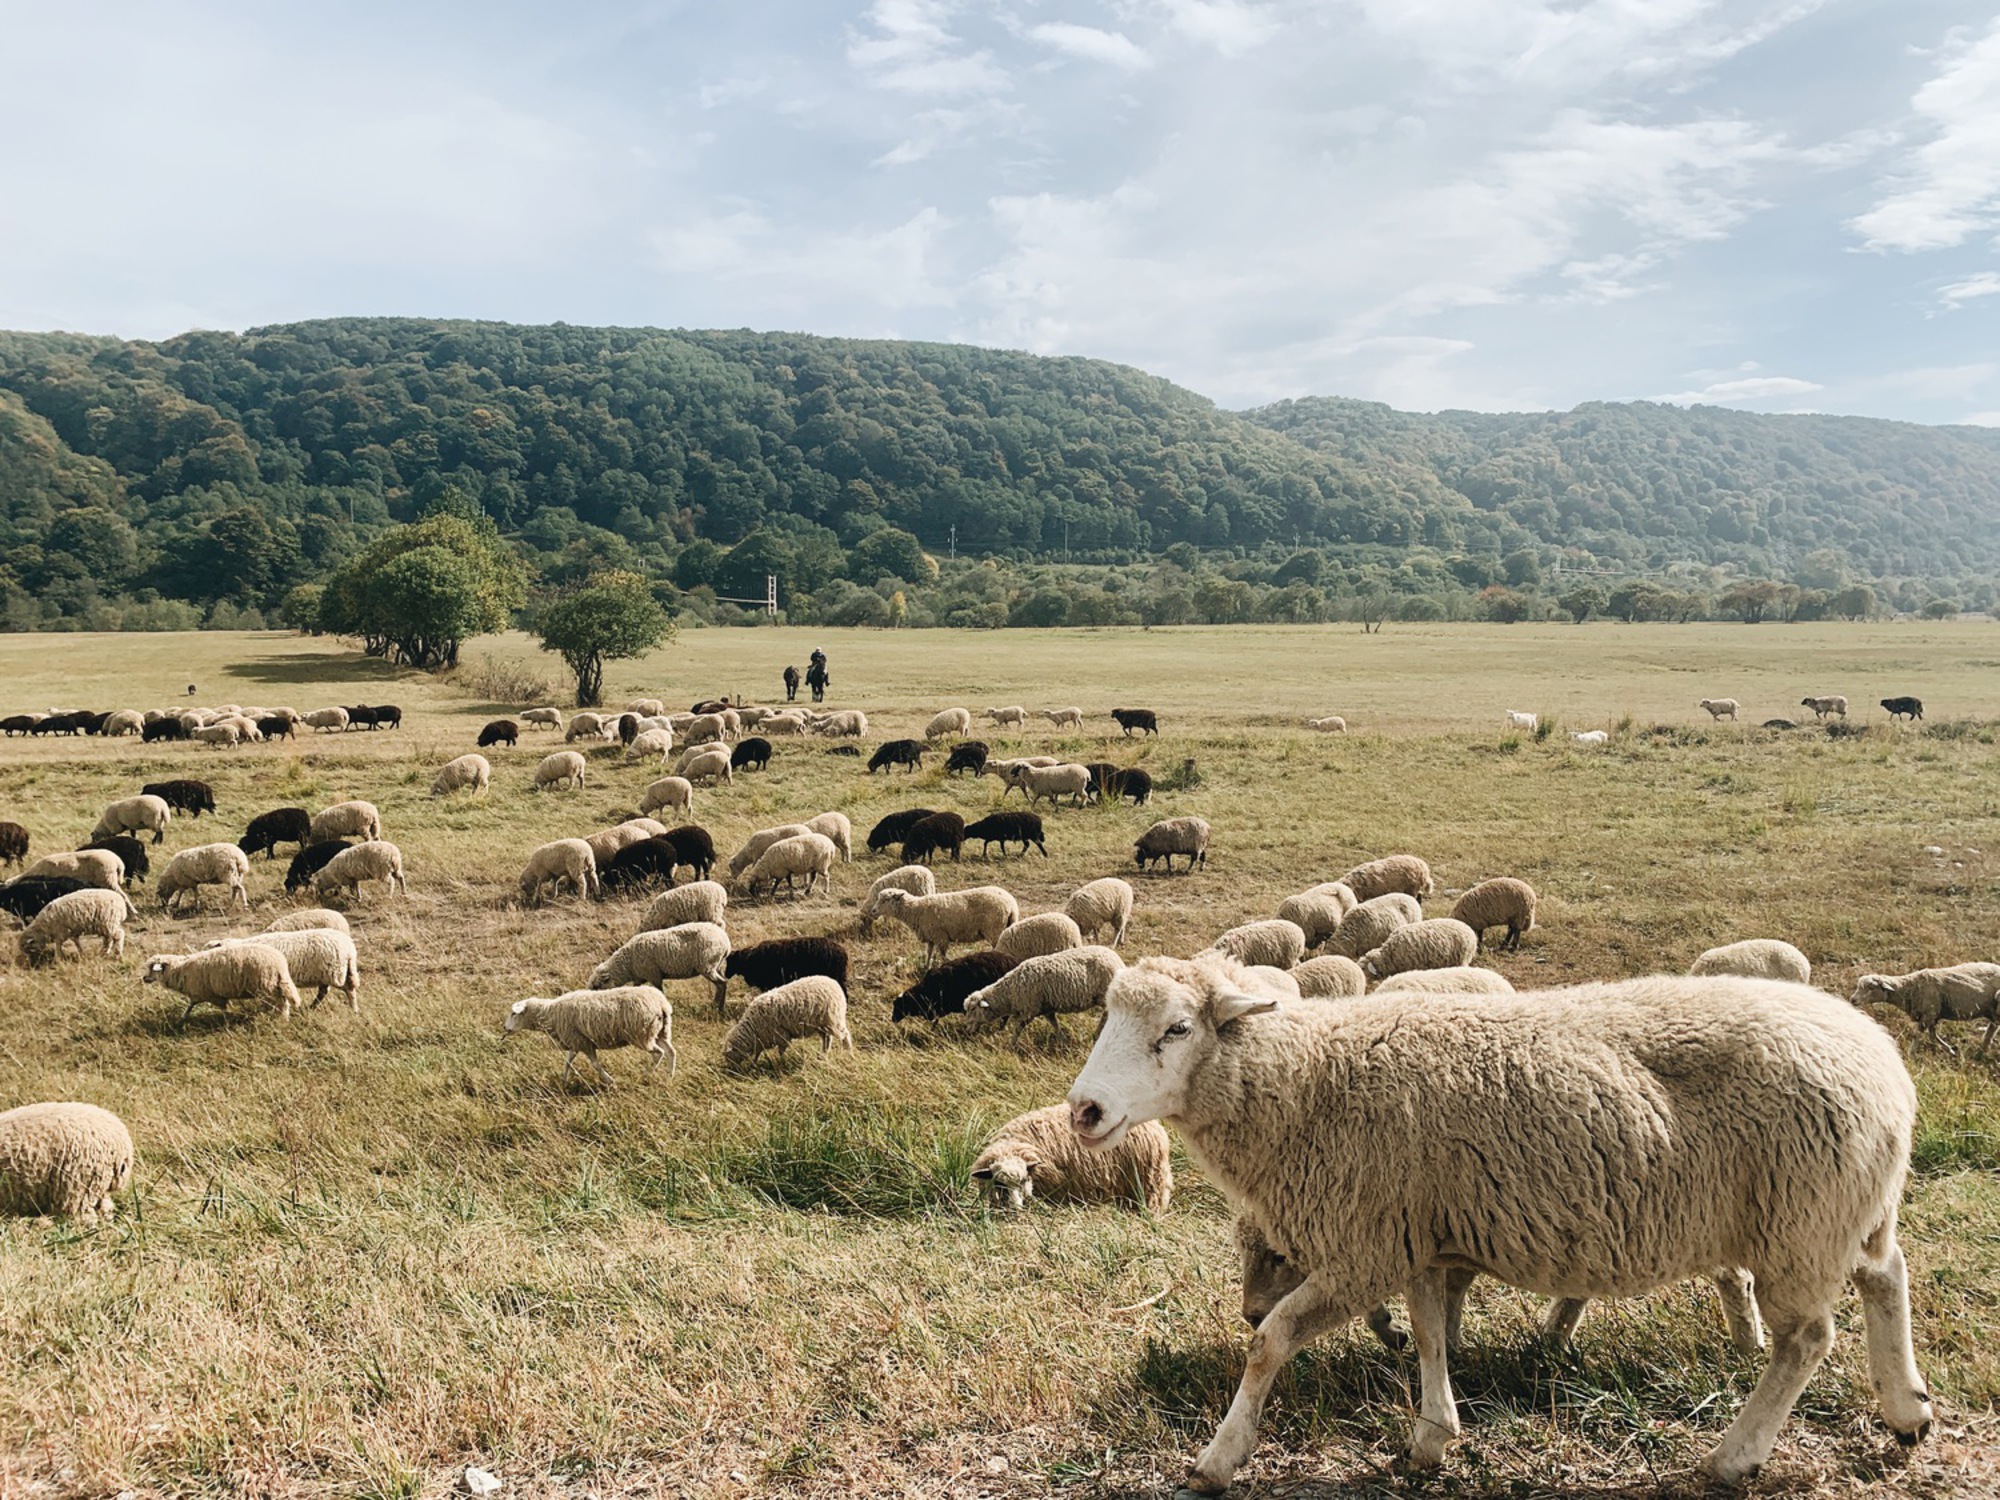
{"points": [[913, 50], [1093, 45], [1751, 388], [1949, 188], [1958, 293], [882, 271], [1980, 419], [1231, 27]]}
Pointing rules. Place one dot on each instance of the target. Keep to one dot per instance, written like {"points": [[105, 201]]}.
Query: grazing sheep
{"points": [[766, 965], [557, 863], [1037, 1155], [1120, 783], [467, 772], [906, 753], [640, 864], [1328, 724], [693, 847], [1276, 943], [1171, 836], [216, 976], [1142, 719], [1589, 737], [1370, 923], [697, 901], [187, 796], [1505, 902], [98, 867], [1064, 718], [706, 766], [1032, 937], [25, 896], [650, 744], [1963, 992], [1901, 708], [276, 727], [131, 854], [500, 732], [608, 841], [1004, 828], [847, 724], [751, 754], [1457, 980], [375, 860], [584, 726], [967, 755], [71, 919], [346, 820], [1440, 943], [281, 825], [754, 846], [648, 708], [1832, 703], [310, 919], [125, 721], [1317, 913], [566, 768], [155, 730], [670, 793], [1756, 958], [1048, 984], [326, 718], [975, 915], [809, 1007], [13, 844], [706, 729], [1396, 872], [1718, 708], [1518, 720], [892, 828], [63, 1159], [205, 864], [1713, 1103], [1333, 976], [943, 991], [1053, 782], [542, 718], [140, 814], [310, 860], [940, 833], [835, 826], [916, 879], [950, 721], [1013, 717], [1101, 904], [229, 732], [812, 855], [583, 1022], [693, 950], [318, 957]]}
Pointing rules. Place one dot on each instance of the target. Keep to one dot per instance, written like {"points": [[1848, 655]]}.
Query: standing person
{"points": [[816, 675], [791, 684]]}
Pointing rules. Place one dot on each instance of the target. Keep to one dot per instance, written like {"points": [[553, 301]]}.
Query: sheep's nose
{"points": [[1085, 1116]]}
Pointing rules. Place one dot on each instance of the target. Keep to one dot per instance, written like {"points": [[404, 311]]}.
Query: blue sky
{"points": [[1779, 205]]}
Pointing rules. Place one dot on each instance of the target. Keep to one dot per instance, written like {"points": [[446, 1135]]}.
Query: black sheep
{"points": [[191, 797], [1899, 707], [283, 825], [93, 723], [766, 965], [628, 728], [896, 826], [386, 713], [694, 848], [752, 754], [13, 843], [129, 850], [500, 732], [638, 865], [711, 706], [1143, 719], [168, 728], [936, 834], [310, 860], [277, 727], [942, 992], [968, 755], [26, 896], [1132, 783], [1004, 828], [906, 753], [15, 724]]}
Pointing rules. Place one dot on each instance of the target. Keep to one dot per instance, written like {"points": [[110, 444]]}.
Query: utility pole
{"points": [[954, 541]]}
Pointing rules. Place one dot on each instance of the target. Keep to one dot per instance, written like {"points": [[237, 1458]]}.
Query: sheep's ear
{"points": [[1235, 1005], [982, 1174], [517, 1007]]}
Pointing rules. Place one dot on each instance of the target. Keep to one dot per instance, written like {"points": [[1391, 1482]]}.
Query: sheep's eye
{"points": [[1176, 1031]]}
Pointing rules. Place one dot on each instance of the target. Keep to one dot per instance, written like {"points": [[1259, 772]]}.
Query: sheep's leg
{"points": [[569, 1062], [1456, 1284], [1883, 1282], [602, 1071], [317, 998], [354, 996], [1987, 1040], [1801, 1334], [1383, 1326], [1437, 1412], [1562, 1319], [1739, 1308]]}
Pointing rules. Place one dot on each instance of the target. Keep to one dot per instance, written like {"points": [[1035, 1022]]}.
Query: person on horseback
{"points": [[817, 677]]}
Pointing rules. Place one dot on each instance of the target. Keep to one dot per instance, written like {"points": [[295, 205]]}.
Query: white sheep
{"points": [[1518, 720], [706, 767], [98, 867], [63, 1158], [812, 855], [1440, 943], [1370, 923], [542, 718], [705, 729], [849, 723], [654, 744], [783, 724], [74, 917], [697, 901], [949, 721], [978, 914], [310, 919], [317, 958], [125, 721], [835, 826], [1504, 902], [345, 820], [1329, 724], [216, 976], [608, 841], [1275, 943], [1317, 913], [556, 863], [1756, 958], [1333, 976], [646, 708], [674, 794], [1102, 904], [1064, 718], [564, 768], [916, 879], [1012, 717], [1589, 736], [758, 842], [1457, 980], [1031, 937], [205, 864], [1832, 703], [1186, 836], [1962, 992], [809, 1007], [1054, 782], [326, 718], [229, 732], [583, 1022], [1050, 984], [468, 772], [1395, 872], [1690, 1156], [1718, 708], [142, 814], [1037, 1155], [375, 860], [586, 726], [692, 950]]}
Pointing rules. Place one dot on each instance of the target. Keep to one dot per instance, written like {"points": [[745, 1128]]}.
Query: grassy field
{"points": [[363, 1253]]}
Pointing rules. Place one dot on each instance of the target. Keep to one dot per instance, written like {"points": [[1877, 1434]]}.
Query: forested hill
{"points": [[228, 467]]}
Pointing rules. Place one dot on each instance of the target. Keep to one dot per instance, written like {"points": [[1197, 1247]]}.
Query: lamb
{"points": [[585, 726], [1317, 913], [1832, 703], [697, 901], [1718, 708], [940, 833], [673, 794], [1963, 992], [754, 846], [890, 829], [706, 766], [835, 826], [752, 754], [1756, 958], [813, 1006], [651, 744], [542, 718], [908, 754], [1142, 719], [205, 864], [131, 854], [317, 956], [584, 1021], [1036, 1155], [916, 879], [1368, 926], [326, 718], [1050, 984], [967, 755], [1328, 724], [310, 860], [1032, 937], [1170, 836], [1334, 976], [1013, 717], [346, 820], [500, 732], [1900, 708], [1518, 720], [950, 721], [1004, 828], [468, 771], [140, 814], [13, 844], [564, 767], [216, 976], [64, 1159], [978, 914], [98, 867], [1397, 872], [282, 825], [1064, 718], [1459, 979], [1101, 904], [310, 919], [1440, 943], [556, 863], [766, 965], [191, 797], [1589, 737], [693, 950], [1505, 902], [71, 919], [943, 991], [1275, 944], [847, 724], [1053, 782], [1713, 1103], [375, 860], [809, 854]]}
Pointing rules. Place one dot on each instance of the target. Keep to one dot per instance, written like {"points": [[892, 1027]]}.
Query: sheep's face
{"points": [[1007, 1182], [1873, 989], [156, 972], [1268, 1278], [518, 1017], [1371, 964]]}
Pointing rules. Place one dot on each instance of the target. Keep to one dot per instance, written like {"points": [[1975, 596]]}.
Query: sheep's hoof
{"points": [[1195, 1485]]}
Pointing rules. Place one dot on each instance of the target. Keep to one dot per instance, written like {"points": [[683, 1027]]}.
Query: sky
{"points": [[1773, 205]]}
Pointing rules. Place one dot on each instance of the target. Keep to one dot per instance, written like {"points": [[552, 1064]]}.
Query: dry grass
{"points": [[363, 1253]]}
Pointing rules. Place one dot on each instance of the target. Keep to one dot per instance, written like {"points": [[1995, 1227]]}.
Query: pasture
{"points": [[364, 1252]]}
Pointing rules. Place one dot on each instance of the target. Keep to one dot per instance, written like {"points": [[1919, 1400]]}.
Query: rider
{"points": [[816, 674]]}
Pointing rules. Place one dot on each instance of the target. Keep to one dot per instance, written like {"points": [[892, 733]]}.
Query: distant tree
{"points": [[1855, 602], [1824, 568], [1751, 599], [1504, 606], [745, 566], [697, 564], [422, 589], [611, 618], [1045, 607], [1583, 601], [1941, 609], [1523, 569], [1300, 567], [888, 553], [300, 608]]}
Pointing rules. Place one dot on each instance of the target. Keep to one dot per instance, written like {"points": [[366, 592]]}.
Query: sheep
{"points": [[757, 843], [1142, 719], [1589, 737], [542, 718], [1120, 783], [1832, 703], [751, 754], [1036, 1155], [216, 976], [1518, 720], [125, 721], [559, 862], [1317, 913], [916, 879], [1004, 828], [608, 841], [1963, 992], [1440, 943], [1459, 979], [940, 833], [942, 992], [766, 965], [140, 814], [1910, 708], [375, 860], [967, 755], [1756, 958], [1101, 904], [1049, 984], [13, 844], [98, 867], [847, 724], [1334, 976], [1185, 836], [892, 828], [321, 957], [131, 854], [276, 727], [468, 771], [205, 864], [835, 826], [1370, 923], [1505, 902], [812, 855], [326, 718], [500, 732], [1053, 782], [638, 864], [310, 919], [72, 918], [673, 794], [651, 744], [582, 1022], [1718, 708], [697, 901], [565, 767], [156, 729], [310, 860], [704, 729], [1712, 1105], [783, 724], [585, 726], [1064, 718], [282, 825], [1327, 724], [813, 1006], [908, 754], [706, 766], [978, 914], [1276, 943], [1032, 937], [346, 820], [692, 950], [64, 1159], [188, 796], [692, 846], [649, 708], [1013, 717], [950, 721], [1396, 872]]}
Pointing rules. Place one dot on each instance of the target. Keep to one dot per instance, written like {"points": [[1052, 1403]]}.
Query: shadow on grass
{"points": [[329, 665]]}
